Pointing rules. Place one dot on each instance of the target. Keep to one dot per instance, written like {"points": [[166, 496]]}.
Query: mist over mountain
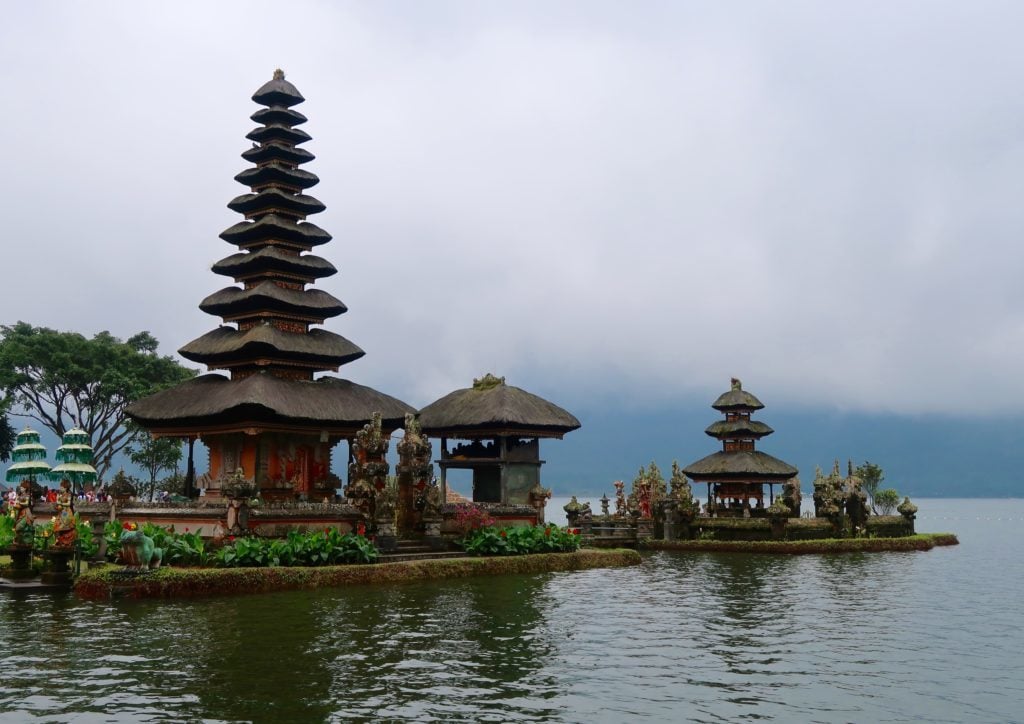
{"points": [[924, 456]]}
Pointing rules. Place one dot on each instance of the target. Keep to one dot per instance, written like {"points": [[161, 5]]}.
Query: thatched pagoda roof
{"points": [[278, 92], [275, 228], [278, 132], [752, 465], [277, 152], [212, 401], [273, 259], [737, 400], [274, 200], [277, 114], [738, 428], [225, 345], [491, 407], [267, 295], [277, 173]]}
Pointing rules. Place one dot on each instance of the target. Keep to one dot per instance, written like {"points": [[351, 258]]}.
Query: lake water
{"points": [[935, 636]]}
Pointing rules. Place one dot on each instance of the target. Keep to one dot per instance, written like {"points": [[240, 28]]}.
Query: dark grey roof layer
{"points": [[278, 132], [278, 92], [225, 345], [502, 409], [277, 114], [276, 173], [266, 295], [273, 259], [737, 400], [275, 228], [275, 200], [741, 428], [277, 152], [751, 464], [212, 400]]}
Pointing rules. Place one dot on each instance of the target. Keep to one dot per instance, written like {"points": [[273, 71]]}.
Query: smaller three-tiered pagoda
{"points": [[737, 474]]}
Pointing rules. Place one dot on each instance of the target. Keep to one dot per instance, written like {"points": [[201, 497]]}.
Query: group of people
{"points": [[50, 495]]}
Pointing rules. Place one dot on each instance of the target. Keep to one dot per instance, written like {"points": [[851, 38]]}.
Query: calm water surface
{"points": [[712, 637]]}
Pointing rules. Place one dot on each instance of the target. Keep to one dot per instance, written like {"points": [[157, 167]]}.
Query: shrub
{"points": [[325, 548], [887, 500], [519, 540], [470, 516]]}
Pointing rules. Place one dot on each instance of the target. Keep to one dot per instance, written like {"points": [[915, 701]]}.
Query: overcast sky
{"points": [[611, 203]]}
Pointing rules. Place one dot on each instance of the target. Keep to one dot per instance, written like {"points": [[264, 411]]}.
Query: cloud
{"points": [[602, 203]]}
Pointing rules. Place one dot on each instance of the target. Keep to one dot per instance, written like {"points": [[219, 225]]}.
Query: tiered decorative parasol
{"points": [[75, 456], [29, 458]]}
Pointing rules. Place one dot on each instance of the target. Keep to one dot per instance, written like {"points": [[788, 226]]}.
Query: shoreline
{"points": [[108, 582], [917, 542]]}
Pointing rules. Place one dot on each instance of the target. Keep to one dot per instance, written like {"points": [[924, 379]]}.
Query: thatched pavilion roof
{"points": [[491, 407], [746, 465], [213, 401]]}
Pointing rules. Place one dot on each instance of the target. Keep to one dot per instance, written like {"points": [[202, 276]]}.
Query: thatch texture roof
{"points": [[278, 132], [492, 407], [738, 428], [277, 173], [266, 295], [211, 401], [752, 465], [264, 341], [737, 399], [275, 200], [278, 92], [275, 228], [277, 114], [271, 258], [277, 152]]}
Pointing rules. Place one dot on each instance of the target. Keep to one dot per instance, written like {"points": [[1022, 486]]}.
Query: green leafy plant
{"points": [[520, 540], [887, 499]]}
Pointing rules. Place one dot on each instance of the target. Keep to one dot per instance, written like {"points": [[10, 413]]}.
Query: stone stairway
{"points": [[415, 550]]}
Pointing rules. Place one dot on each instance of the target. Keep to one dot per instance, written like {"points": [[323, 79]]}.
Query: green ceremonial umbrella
{"points": [[75, 456], [29, 458]]}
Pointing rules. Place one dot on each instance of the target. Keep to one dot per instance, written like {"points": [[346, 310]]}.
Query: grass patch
{"points": [[919, 542], [110, 581]]}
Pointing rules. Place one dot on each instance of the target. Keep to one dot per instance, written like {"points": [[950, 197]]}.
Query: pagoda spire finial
{"points": [[736, 384], [278, 74]]}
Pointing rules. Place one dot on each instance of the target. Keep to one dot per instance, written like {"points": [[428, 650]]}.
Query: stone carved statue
{"points": [[855, 499], [368, 471], [21, 511], [414, 473], [907, 509], [621, 508], [432, 502], [539, 497], [65, 527], [643, 498], [792, 496], [138, 551]]}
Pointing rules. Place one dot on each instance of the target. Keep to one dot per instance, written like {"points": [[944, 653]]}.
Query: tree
{"points": [[64, 380], [7, 434], [154, 455], [887, 500], [871, 477]]}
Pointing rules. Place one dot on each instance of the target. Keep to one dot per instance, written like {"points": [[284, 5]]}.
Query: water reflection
{"points": [[891, 637]]}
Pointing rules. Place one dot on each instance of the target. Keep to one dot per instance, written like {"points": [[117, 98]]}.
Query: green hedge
{"points": [[109, 581], [920, 542]]}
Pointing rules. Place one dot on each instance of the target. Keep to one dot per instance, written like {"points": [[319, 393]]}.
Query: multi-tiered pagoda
{"points": [[270, 417], [736, 475]]}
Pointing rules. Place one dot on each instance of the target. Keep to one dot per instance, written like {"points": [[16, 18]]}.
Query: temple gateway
{"points": [[268, 417]]}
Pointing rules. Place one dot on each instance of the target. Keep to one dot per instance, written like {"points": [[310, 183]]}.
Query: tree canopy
{"points": [[64, 380], [871, 477], [154, 455], [7, 434]]}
